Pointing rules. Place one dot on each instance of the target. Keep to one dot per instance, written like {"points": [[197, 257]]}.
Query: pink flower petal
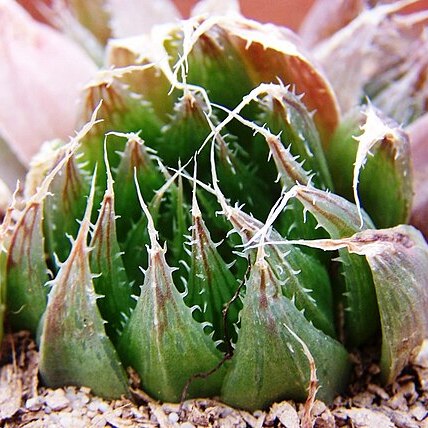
{"points": [[41, 73]]}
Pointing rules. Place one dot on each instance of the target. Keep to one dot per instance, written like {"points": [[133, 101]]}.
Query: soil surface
{"points": [[24, 403]]}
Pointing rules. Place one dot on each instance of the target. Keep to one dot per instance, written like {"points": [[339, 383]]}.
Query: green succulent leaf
{"points": [[27, 272], [74, 348], [25, 268], [162, 340], [135, 253], [380, 151], [186, 129], [269, 363], [303, 279], [135, 157], [398, 259], [211, 285], [240, 177], [121, 111], [69, 189], [111, 282], [340, 219], [209, 60], [285, 113]]}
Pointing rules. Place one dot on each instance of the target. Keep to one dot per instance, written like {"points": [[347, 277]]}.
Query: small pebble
{"points": [[57, 400], [173, 417], [34, 404], [103, 407]]}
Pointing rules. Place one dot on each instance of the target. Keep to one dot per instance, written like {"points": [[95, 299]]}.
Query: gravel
{"points": [[24, 403]]}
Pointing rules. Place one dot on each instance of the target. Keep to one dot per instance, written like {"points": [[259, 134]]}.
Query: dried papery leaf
{"points": [[325, 18], [418, 134], [135, 157], [341, 219], [121, 111], [211, 285], [162, 341], [369, 157], [74, 348], [398, 258], [111, 283], [379, 53], [219, 7], [269, 363]]}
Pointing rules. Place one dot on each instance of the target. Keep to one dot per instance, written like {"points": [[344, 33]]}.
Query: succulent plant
{"points": [[245, 241]]}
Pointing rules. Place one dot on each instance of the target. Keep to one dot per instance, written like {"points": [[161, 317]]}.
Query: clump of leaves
{"points": [[236, 246]]}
